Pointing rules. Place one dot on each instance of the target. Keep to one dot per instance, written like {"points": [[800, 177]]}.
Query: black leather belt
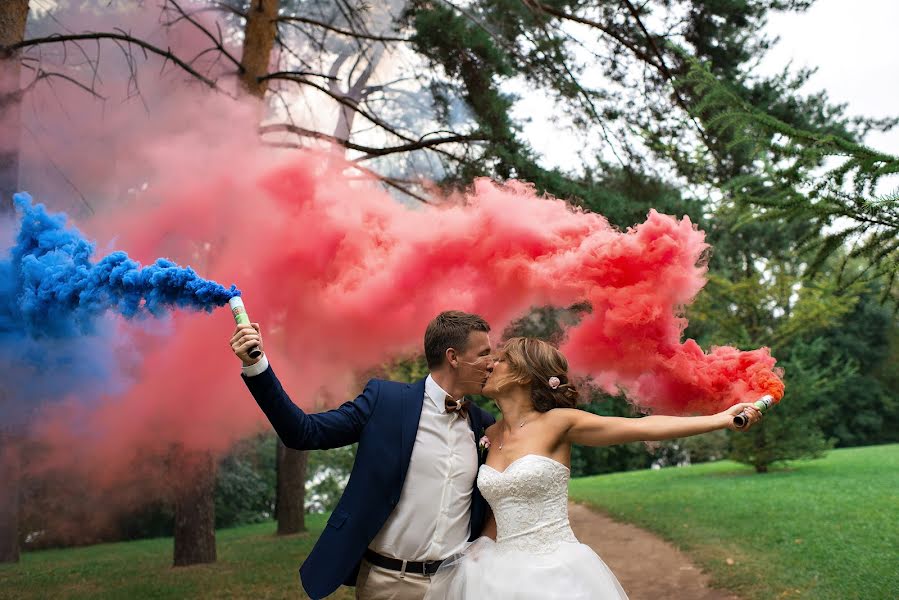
{"points": [[394, 564]]}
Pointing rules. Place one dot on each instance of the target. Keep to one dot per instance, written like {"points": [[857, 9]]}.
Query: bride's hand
{"points": [[754, 414]]}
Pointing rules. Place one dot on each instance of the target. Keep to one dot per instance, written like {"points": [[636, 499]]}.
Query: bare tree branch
{"points": [[291, 19], [225, 7], [394, 183], [215, 40], [390, 181], [371, 152], [367, 115], [290, 75], [167, 54], [41, 74], [59, 170]]}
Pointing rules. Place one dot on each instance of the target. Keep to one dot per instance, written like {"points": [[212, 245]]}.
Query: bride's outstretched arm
{"points": [[582, 427]]}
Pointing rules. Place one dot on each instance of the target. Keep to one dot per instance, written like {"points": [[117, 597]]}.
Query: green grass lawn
{"points": [[252, 563], [825, 529]]}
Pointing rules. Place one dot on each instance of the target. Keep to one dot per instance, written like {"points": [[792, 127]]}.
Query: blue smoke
{"points": [[57, 334], [55, 291]]}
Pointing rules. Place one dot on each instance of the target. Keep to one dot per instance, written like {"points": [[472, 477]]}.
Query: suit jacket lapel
{"points": [[474, 421], [411, 403], [478, 507]]}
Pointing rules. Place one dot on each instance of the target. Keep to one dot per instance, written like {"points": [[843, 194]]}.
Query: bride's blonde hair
{"points": [[535, 362]]}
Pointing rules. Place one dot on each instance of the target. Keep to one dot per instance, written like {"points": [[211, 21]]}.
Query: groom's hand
{"points": [[244, 339]]}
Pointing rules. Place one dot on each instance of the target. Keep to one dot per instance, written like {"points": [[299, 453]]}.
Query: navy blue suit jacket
{"points": [[384, 420]]}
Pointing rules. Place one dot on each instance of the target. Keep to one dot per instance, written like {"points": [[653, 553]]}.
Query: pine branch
{"points": [[788, 185]]}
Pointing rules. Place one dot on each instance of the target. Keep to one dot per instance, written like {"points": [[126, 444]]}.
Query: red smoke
{"points": [[342, 278]]}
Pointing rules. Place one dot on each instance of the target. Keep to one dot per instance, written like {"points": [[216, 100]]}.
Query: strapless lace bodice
{"points": [[530, 503], [535, 556]]}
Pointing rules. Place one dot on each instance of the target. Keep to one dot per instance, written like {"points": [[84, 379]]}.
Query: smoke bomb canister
{"points": [[763, 404], [242, 318]]}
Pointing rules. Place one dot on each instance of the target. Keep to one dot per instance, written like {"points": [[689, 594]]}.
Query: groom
{"points": [[411, 500]]}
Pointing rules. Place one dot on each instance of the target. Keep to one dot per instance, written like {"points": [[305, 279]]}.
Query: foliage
{"points": [[245, 483], [326, 475], [819, 176], [865, 408]]}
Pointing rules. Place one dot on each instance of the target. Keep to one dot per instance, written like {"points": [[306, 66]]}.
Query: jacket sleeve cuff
{"points": [[256, 368]]}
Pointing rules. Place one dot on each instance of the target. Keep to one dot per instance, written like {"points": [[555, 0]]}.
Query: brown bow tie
{"points": [[453, 405]]}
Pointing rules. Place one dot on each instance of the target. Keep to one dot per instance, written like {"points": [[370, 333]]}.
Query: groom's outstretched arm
{"points": [[299, 430]]}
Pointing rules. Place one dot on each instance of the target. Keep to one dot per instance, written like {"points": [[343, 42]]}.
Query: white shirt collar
{"points": [[436, 393]]}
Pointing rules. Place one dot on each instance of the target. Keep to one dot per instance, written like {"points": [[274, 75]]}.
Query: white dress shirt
{"points": [[432, 519]]}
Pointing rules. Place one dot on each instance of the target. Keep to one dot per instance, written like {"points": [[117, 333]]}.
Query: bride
{"points": [[528, 550]]}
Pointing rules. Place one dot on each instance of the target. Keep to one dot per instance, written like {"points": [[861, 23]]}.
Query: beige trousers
{"points": [[375, 583]]}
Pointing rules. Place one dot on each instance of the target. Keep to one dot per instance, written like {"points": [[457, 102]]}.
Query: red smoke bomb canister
{"points": [[241, 318], [763, 404]]}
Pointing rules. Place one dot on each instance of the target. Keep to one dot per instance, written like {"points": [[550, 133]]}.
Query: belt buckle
{"points": [[425, 565]]}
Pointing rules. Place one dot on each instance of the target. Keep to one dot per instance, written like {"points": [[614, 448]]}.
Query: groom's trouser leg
{"points": [[375, 583]]}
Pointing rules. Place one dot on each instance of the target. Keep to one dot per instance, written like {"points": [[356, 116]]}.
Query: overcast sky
{"points": [[853, 44]]}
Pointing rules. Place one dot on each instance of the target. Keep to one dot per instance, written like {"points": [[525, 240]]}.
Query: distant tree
{"points": [[769, 305], [793, 430], [866, 405], [245, 482], [588, 460], [328, 472]]}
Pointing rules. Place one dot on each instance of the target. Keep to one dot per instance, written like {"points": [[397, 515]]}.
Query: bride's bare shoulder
{"points": [[562, 414], [563, 418]]}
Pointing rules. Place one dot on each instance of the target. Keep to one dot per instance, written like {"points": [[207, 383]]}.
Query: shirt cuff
{"points": [[256, 368]]}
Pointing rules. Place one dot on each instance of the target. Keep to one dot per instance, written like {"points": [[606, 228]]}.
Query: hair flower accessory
{"points": [[554, 382]]}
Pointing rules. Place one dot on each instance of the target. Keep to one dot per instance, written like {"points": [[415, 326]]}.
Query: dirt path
{"points": [[648, 567]]}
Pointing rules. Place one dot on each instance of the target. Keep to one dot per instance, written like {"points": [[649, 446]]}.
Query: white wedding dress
{"points": [[535, 555]]}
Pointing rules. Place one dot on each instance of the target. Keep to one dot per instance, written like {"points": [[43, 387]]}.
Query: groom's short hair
{"points": [[450, 329]]}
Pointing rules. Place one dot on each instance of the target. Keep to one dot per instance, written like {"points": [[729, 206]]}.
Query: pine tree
{"points": [[838, 208]]}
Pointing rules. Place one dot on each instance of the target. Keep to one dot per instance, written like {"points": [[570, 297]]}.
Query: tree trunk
{"points": [[289, 503], [13, 16], [194, 509], [259, 39], [9, 499]]}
